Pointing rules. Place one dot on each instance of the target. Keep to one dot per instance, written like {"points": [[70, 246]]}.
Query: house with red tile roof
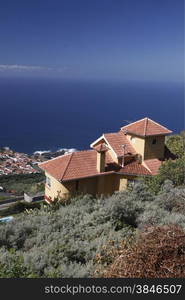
{"points": [[137, 149]]}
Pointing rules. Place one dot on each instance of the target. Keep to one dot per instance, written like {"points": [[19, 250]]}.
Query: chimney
{"points": [[100, 160]]}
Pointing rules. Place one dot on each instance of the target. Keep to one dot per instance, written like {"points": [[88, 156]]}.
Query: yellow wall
{"points": [[124, 180], [67, 189], [138, 144], [108, 184], [154, 150], [95, 186], [57, 189], [88, 186], [110, 151], [100, 161], [122, 183], [113, 156], [99, 185], [145, 148]]}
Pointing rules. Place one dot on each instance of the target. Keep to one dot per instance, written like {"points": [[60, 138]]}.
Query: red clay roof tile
{"points": [[117, 140], [134, 168], [153, 165], [75, 165], [56, 166], [83, 164], [145, 127]]}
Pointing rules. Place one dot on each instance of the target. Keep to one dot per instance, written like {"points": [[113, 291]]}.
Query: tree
{"points": [[176, 144], [173, 170]]}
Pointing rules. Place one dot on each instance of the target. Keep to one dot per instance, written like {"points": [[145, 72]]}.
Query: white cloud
{"points": [[28, 68]]}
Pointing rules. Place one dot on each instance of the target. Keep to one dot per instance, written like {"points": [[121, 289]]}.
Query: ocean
{"points": [[49, 114]]}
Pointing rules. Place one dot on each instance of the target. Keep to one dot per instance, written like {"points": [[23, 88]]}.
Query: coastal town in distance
{"points": [[14, 163]]}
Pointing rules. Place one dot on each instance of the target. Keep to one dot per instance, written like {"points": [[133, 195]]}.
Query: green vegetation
{"points": [[84, 238], [77, 240], [18, 207], [173, 170], [32, 183], [176, 144], [3, 198]]}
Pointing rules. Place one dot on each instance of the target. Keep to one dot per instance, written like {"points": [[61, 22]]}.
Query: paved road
{"points": [[11, 200], [6, 203]]}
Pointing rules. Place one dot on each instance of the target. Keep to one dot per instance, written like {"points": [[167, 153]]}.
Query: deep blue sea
{"points": [[48, 114]]}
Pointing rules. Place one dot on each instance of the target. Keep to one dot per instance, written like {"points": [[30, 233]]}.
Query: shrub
{"points": [[173, 170], [171, 198], [158, 253], [19, 207], [74, 240], [176, 144], [12, 264]]}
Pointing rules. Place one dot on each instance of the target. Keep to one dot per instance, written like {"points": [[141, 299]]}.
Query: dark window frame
{"points": [[154, 141], [77, 185]]}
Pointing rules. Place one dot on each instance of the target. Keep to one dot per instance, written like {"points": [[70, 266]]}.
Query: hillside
{"points": [[85, 237], [76, 240]]}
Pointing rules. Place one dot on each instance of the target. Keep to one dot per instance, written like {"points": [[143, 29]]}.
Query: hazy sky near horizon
{"points": [[99, 39]]}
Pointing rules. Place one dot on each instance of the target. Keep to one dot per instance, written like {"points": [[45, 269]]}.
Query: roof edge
{"points": [[146, 119], [96, 141], [54, 158], [133, 174], [134, 122], [95, 175], [67, 165], [148, 135]]}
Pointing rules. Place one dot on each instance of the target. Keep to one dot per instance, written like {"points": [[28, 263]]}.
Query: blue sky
{"points": [[100, 39]]}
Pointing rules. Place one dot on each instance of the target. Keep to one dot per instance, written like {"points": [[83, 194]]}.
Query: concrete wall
{"points": [[138, 144], [99, 185], [154, 150], [113, 156], [66, 189], [57, 189], [146, 148], [88, 186], [108, 184], [122, 183], [110, 151], [124, 180], [95, 186], [100, 165]]}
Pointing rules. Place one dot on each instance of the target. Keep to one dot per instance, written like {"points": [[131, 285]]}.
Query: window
{"points": [[154, 141], [77, 185], [48, 181]]}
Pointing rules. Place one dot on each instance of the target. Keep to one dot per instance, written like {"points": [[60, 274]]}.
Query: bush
{"points": [[12, 265], [62, 241], [19, 207], [158, 253], [169, 170], [74, 240], [176, 144], [174, 171]]}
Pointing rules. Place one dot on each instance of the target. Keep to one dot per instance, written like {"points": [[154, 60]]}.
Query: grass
{"points": [[29, 183], [4, 197]]}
